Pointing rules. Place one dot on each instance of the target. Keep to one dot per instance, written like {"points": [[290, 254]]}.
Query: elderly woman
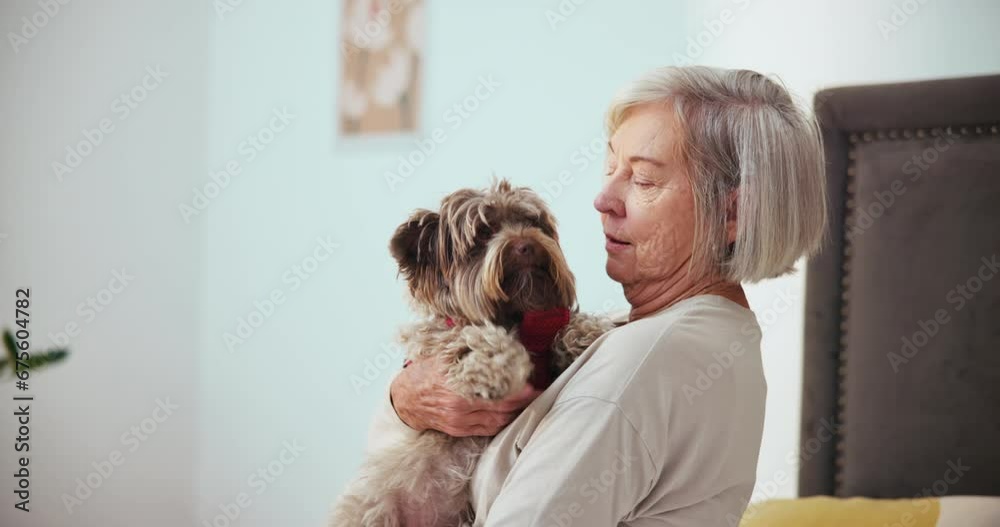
{"points": [[713, 178]]}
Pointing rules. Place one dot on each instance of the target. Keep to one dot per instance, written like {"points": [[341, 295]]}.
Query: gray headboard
{"points": [[901, 392]]}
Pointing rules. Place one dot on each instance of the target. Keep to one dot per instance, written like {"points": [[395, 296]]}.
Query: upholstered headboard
{"points": [[901, 391]]}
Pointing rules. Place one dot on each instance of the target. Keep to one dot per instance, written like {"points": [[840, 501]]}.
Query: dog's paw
{"points": [[583, 329], [494, 365]]}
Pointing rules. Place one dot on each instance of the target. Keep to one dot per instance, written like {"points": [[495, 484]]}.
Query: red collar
{"points": [[537, 331]]}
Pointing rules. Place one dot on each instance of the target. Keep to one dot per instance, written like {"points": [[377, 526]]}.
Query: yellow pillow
{"points": [[824, 511]]}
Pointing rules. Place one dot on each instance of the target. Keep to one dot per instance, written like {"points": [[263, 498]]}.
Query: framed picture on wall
{"points": [[381, 46]]}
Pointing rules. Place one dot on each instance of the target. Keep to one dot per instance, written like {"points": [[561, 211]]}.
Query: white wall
{"points": [[65, 239], [290, 383]]}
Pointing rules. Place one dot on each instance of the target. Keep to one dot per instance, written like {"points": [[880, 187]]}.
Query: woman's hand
{"points": [[423, 402]]}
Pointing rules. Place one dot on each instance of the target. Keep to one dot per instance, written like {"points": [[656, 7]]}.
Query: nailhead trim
{"points": [[845, 281]]}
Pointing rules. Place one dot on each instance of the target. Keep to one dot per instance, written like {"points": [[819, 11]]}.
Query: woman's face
{"points": [[646, 203]]}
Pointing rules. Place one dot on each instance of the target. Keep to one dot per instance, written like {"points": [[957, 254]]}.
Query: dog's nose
{"points": [[526, 252], [524, 248]]}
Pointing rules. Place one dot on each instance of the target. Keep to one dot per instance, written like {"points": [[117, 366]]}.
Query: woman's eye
{"points": [[609, 167]]}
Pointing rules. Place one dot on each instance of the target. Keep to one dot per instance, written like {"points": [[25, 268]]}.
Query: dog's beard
{"points": [[544, 285], [529, 290], [503, 298]]}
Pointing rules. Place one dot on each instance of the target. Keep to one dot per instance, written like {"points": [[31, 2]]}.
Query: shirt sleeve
{"points": [[586, 465], [387, 428]]}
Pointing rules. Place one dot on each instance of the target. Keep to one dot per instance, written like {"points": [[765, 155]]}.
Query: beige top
{"points": [[658, 423]]}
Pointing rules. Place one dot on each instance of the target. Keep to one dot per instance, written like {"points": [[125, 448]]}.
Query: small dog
{"points": [[488, 272]]}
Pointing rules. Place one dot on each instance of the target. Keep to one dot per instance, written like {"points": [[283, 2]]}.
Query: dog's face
{"points": [[486, 256]]}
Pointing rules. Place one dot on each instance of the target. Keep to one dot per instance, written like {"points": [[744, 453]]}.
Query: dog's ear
{"points": [[414, 245]]}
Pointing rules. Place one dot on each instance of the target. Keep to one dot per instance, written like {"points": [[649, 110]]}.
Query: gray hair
{"points": [[741, 132]]}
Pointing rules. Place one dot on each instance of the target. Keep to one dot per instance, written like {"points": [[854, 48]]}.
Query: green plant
{"points": [[35, 360]]}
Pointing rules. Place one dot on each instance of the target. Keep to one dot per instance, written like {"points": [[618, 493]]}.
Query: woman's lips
{"points": [[614, 244]]}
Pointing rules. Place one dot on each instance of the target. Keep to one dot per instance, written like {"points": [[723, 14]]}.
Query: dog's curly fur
{"points": [[483, 260]]}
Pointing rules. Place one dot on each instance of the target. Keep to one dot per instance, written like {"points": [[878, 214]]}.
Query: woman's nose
{"points": [[607, 202]]}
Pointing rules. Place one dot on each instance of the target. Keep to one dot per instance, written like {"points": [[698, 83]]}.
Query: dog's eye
{"points": [[544, 226], [483, 233]]}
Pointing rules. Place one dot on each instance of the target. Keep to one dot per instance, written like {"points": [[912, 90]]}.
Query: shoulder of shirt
{"points": [[663, 348]]}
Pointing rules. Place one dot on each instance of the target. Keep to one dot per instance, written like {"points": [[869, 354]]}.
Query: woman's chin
{"points": [[617, 270]]}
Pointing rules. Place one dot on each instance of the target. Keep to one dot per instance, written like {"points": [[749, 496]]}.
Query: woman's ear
{"points": [[413, 244], [732, 214]]}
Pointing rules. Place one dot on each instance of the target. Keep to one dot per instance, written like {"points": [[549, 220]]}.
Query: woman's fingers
{"points": [[468, 417], [521, 399], [481, 423], [511, 403], [492, 421]]}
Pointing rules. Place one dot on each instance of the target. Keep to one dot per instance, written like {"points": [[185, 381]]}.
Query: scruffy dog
{"points": [[501, 310]]}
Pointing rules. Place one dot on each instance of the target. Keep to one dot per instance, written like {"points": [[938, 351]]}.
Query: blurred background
{"points": [[204, 233]]}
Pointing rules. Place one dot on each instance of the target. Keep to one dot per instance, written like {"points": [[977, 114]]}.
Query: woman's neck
{"points": [[649, 298]]}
